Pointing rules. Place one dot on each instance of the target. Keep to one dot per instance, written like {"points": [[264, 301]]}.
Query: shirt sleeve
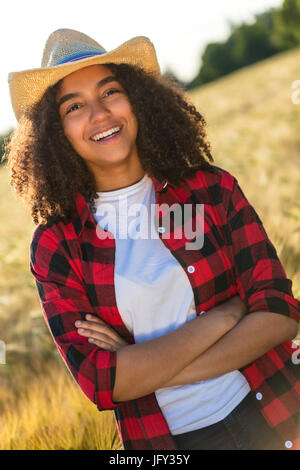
{"points": [[261, 278], [64, 300]]}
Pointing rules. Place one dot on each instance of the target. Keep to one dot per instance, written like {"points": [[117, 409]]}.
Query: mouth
{"points": [[107, 136]]}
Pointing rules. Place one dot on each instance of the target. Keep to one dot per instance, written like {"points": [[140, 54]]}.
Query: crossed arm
{"points": [[223, 340]]}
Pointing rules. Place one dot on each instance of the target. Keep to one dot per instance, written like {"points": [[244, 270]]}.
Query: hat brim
{"points": [[27, 87]]}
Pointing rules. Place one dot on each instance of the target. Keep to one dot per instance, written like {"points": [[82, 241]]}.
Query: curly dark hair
{"points": [[171, 142]]}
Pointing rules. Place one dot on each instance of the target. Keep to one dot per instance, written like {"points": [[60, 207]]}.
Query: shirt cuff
{"points": [[105, 379], [272, 300]]}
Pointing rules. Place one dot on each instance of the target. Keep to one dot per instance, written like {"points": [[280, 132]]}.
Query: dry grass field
{"points": [[254, 129]]}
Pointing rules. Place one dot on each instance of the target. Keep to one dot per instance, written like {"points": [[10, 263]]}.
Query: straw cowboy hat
{"points": [[65, 52]]}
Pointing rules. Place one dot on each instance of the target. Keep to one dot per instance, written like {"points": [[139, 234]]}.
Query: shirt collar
{"points": [[84, 214]]}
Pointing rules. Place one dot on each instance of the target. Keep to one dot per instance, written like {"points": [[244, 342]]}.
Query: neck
{"points": [[118, 177], [121, 185]]}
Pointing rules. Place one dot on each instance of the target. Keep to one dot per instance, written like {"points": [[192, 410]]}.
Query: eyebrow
{"points": [[102, 82]]}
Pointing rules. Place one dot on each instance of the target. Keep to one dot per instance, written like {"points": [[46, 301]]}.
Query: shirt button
{"points": [[258, 396], [161, 229], [191, 269], [288, 444]]}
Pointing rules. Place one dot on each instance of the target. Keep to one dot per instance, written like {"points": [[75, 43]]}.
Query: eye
{"points": [[111, 92], [74, 107]]}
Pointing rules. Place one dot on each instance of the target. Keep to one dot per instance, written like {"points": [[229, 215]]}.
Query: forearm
{"points": [[252, 337], [145, 367]]}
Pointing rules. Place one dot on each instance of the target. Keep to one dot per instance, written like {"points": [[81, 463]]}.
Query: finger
{"points": [[89, 322], [94, 334], [99, 336], [90, 317], [103, 345], [101, 328], [91, 325]]}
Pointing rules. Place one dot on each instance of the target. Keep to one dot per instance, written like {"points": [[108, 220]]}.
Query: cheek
{"points": [[124, 110], [133, 122], [72, 133]]}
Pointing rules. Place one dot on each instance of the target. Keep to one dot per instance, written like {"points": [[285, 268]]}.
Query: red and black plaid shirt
{"points": [[74, 273]]}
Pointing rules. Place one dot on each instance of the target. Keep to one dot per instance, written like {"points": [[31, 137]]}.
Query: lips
{"points": [[105, 134]]}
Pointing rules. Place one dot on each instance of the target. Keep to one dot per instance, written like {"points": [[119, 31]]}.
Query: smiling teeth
{"points": [[105, 134]]}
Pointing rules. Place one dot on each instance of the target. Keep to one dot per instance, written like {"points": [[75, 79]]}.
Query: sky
{"points": [[179, 30]]}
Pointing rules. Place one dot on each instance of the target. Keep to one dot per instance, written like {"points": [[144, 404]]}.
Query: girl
{"points": [[186, 337]]}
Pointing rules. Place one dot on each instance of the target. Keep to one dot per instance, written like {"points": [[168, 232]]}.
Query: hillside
{"points": [[254, 129]]}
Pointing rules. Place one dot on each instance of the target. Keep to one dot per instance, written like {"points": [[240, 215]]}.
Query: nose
{"points": [[99, 111]]}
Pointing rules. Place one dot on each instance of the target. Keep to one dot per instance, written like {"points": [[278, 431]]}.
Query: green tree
{"points": [[254, 42], [216, 61], [287, 24], [246, 44]]}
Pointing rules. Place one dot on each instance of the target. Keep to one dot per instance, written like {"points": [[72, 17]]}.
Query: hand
{"points": [[100, 333]]}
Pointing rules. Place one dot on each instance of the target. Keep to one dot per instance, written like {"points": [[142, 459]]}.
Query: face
{"points": [[97, 117]]}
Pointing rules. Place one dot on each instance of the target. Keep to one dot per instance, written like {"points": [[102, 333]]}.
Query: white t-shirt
{"points": [[154, 296]]}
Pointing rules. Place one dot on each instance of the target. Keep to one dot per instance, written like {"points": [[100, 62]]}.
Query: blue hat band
{"points": [[79, 56]]}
